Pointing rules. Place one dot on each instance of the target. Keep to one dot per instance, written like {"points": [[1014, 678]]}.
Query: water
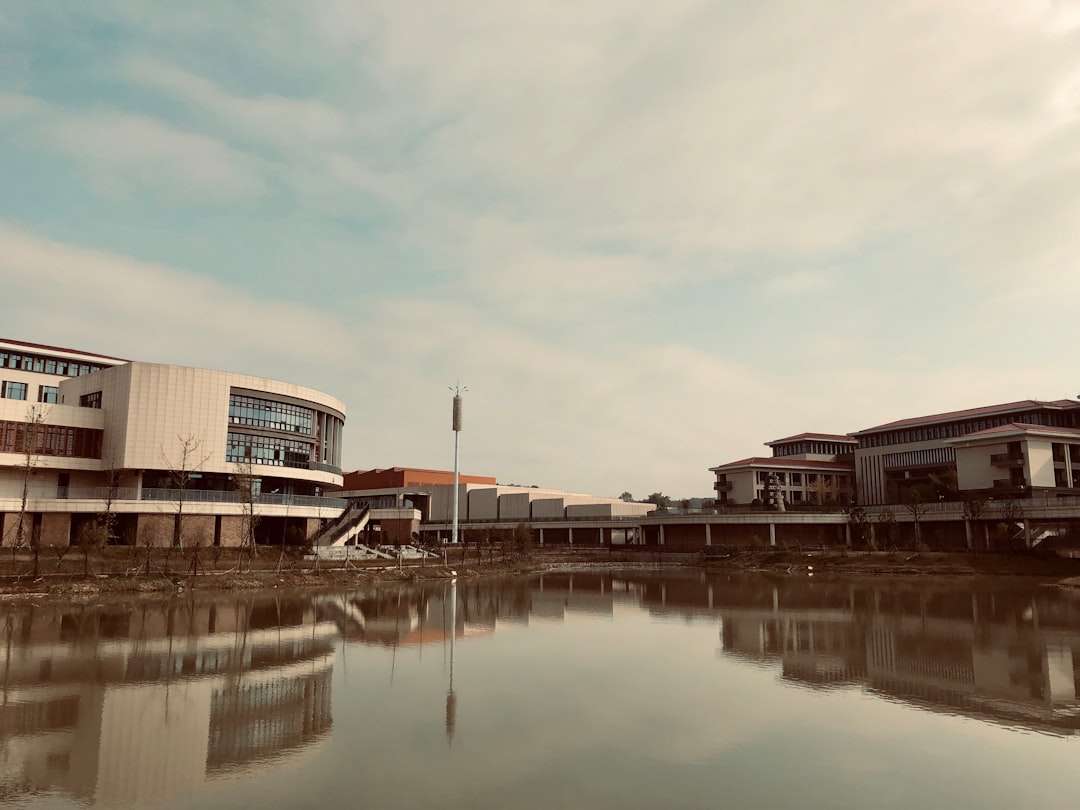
{"points": [[623, 690]]}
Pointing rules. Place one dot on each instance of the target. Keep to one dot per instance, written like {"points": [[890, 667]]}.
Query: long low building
{"points": [[480, 499], [171, 453], [1014, 450]]}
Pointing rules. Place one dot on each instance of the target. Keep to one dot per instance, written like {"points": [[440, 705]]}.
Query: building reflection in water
{"points": [[129, 704], [1003, 652]]}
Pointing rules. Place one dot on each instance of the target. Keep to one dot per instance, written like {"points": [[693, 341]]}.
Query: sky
{"points": [[647, 237]]}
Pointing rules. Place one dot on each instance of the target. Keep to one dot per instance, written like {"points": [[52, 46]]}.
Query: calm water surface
{"points": [[640, 689]]}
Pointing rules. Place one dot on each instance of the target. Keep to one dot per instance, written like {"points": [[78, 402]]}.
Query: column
{"points": [[570, 534], [541, 535], [772, 534], [661, 541], [708, 534]]}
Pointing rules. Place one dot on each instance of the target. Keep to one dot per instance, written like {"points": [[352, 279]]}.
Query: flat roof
{"points": [[783, 462], [970, 413], [826, 437], [1017, 427], [44, 347]]}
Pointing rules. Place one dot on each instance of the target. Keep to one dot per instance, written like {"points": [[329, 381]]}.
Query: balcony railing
{"points": [[723, 486], [190, 495], [1006, 460]]}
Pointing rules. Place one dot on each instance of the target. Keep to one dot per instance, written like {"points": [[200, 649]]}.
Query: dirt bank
{"points": [[120, 571]]}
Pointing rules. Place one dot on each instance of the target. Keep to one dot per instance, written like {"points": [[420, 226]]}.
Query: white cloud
{"points": [[574, 180], [292, 122], [797, 283], [115, 305], [122, 152]]}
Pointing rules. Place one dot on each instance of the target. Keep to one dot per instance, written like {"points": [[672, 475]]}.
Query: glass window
{"points": [[13, 390], [48, 393], [91, 400]]}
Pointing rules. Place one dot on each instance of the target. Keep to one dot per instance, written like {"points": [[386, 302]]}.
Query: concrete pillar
{"points": [[708, 534], [541, 535], [661, 541], [570, 534], [968, 535], [772, 534], [847, 534], [1027, 533]]}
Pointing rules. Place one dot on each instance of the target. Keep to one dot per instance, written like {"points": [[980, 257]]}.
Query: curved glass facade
{"points": [[265, 413], [282, 433]]}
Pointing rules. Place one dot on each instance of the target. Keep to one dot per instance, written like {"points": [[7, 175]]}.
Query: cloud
{"points": [[647, 239], [290, 122], [123, 152], [797, 283], [115, 305]]}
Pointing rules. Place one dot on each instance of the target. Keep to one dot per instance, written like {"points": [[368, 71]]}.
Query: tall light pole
{"points": [[457, 389]]}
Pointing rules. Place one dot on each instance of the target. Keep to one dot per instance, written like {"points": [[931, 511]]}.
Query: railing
{"points": [[326, 468], [379, 502], [1006, 460], [190, 495]]}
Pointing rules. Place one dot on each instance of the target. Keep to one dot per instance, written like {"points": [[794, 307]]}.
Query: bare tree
{"points": [[247, 486], [92, 536], [973, 509], [180, 472], [916, 503], [29, 440], [887, 520], [826, 490], [111, 492], [1012, 515], [859, 519]]}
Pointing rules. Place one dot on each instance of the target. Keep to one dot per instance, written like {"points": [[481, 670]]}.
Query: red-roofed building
{"points": [[807, 468], [1017, 456], [897, 456]]}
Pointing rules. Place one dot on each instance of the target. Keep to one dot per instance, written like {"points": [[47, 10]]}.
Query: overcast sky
{"points": [[647, 236]]}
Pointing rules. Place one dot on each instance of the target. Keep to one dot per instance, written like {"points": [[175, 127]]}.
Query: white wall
{"points": [[1039, 462]]}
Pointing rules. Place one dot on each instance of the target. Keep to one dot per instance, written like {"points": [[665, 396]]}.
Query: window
{"points": [[273, 451], [12, 390], [91, 400], [51, 440], [264, 413], [48, 394], [796, 479]]}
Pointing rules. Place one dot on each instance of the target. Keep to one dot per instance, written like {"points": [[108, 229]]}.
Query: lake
{"points": [[646, 688]]}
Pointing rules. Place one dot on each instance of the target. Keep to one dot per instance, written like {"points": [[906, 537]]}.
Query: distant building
{"points": [[1015, 449], [894, 457], [479, 497], [807, 468], [394, 477]]}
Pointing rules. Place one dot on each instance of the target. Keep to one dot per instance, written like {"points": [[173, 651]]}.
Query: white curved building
{"points": [[79, 429]]}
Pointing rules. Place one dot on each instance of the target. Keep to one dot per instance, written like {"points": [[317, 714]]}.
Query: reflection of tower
{"points": [[451, 698]]}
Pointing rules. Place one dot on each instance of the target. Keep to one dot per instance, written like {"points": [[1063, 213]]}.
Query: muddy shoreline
{"points": [[120, 573]]}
